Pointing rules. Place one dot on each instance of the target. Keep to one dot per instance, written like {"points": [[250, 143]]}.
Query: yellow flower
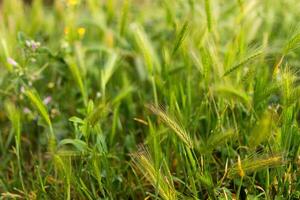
{"points": [[81, 32], [72, 2], [241, 171]]}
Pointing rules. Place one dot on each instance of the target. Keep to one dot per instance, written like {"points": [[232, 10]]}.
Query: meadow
{"points": [[149, 99]]}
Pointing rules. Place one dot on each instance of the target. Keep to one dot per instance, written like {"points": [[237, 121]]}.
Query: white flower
{"points": [[12, 62], [26, 110], [32, 44]]}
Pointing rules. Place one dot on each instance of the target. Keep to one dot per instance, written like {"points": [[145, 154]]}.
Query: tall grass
{"points": [[130, 99]]}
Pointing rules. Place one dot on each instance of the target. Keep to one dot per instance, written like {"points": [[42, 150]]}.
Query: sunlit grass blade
{"points": [[15, 119], [242, 62], [36, 101], [80, 145], [180, 37], [171, 123], [231, 93], [77, 77], [146, 48], [14, 116], [124, 17], [217, 140], [108, 70], [8, 66], [262, 131], [208, 14]]}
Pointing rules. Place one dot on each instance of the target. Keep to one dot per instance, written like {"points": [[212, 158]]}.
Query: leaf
{"points": [[146, 48], [262, 131], [78, 144], [77, 120], [15, 119], [6, 55], [208, 14], [77, 77], [122, 94], [243, 62], [124, 17], [216, 140], [109, 69], [232, 93]]}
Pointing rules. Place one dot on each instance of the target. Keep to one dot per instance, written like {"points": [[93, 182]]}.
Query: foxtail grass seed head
{"points": [[143, 162], [171, 123]]}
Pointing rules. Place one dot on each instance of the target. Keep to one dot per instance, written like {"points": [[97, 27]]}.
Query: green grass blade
{"points": [[36, 101], [243, 62], [180, 37]]}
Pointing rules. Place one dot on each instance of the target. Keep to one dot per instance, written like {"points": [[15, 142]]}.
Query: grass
{"points": [[131, 99]]}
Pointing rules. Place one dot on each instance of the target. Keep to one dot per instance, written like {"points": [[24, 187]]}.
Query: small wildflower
{"points": [[54, 112], [81, 32], [35, 45], [22, 90], [47, 100], [51, 85], [27, 42], [12, 62], [26, 110], [72, 2], [33, 60], [32, 195], [32, 44], [66, 30], [98, 95], [65, 45]]}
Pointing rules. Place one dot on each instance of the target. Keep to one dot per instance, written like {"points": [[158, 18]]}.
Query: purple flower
{"points": [[47, 100], [32, 44]]}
